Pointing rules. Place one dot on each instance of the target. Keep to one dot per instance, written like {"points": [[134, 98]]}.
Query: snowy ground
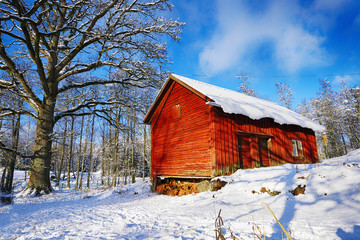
{"points": [[330, 208]]}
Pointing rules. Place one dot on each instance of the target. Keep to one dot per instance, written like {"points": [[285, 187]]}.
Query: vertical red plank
{"points": [[218, 143], [228, 143], [223, 149], [223, 141], [233, 144], [212, 141], [237, 127]]}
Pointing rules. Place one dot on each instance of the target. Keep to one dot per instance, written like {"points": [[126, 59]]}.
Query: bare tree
{"points": [[61, 39], [79, 153], [285, 94], [84, 153], [350, 113], [12, 156], [90, 168], [326, 107], [245, 85], [70, 151], [13, 121], [116, 167], [63, 146]]}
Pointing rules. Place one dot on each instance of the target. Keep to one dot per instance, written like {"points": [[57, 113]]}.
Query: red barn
{"points": [[201, 131]]}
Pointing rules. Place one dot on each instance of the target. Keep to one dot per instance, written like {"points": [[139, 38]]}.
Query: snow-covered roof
{"points": [[255, 108]]}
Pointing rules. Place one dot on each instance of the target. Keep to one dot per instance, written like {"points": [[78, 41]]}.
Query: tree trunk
{"points": [[84, 154], [127, 161], [39, 180], [62, 155], [27, 150], [70, 151], [144, 153], [79, 153], [116, 161], [54, 163], [103, 154], [108, 159], [133, 169], [123, 162], [2, 182], [116, 150], [90, 153], [15, 141], [354, 135]]}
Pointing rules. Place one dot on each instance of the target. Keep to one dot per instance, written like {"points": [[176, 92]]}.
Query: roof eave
{"points": [[147, 118]]}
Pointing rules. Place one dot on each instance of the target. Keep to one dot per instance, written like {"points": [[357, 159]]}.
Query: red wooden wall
{"points": [[230, 127], [181, 134]]}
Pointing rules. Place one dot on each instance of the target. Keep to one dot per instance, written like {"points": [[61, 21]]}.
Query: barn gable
{"points": [[200, 130]]}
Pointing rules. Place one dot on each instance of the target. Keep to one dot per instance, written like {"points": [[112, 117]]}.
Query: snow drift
{"points": [[329, 209]]}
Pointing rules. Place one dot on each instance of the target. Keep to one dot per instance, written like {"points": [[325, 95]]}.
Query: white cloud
{"points": [[296, 49], [329, 5], [241, 31], [346, 79]]}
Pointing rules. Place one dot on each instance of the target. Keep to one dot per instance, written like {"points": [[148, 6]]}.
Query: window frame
{"points": [[297, 148]]}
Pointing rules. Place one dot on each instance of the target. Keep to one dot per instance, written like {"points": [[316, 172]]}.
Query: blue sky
{"points": [[297, 42]]}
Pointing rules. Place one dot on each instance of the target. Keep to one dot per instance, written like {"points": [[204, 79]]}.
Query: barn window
{"points": [[297, 148], [176, 111]]}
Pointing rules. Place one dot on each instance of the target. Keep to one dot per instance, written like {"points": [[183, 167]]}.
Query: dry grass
{"points": [[219, 233], [258, 233], [272, 213]]}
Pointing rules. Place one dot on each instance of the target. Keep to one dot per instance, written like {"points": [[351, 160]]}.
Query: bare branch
{"points": [[9, 112], [5, 83], [89, 104], [127, 81], [11, 150]]}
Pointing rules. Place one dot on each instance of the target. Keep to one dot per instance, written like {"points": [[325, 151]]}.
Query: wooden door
{"points": [[264, 154], [244, 151]]}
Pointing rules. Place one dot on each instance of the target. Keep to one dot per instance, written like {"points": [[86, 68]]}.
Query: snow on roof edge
{"points": [[238, 103]]}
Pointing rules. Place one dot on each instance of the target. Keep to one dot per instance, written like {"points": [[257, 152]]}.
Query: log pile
{"points": [[180, 188], [177, 188]]}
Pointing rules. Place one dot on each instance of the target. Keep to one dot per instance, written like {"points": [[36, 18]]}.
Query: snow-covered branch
{"points": [[9, 112], [89, 104], [11, 150], [129, 82]]}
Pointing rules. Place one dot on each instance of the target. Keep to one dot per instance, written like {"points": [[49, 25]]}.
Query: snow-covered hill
{"points": [[329, 209]]}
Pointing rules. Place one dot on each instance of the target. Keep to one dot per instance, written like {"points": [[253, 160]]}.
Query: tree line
{"points": [[65, 63], [339, 112], [114, 141]]}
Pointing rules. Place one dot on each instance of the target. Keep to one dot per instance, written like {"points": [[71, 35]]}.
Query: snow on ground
{"points": [[329, 209]]}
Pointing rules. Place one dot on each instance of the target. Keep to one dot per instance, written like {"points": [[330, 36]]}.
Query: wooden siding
{"points": [[234, 132], [181, 134]]}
